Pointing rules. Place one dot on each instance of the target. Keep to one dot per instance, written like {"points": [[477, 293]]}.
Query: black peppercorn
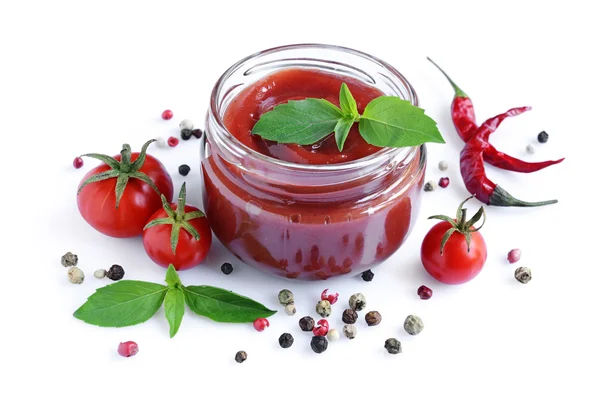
{"points": [[186, 134], [542, 137], [306, 323], [241, 356], [393, 346], [367, 275], [373, 318], [226, 268], [286, 340], [184, 170], [319, 344], [349, 316], [197, 133], [429, 186], [115, 272]]}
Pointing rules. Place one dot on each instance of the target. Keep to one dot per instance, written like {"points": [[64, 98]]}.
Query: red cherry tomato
{"points": [[97, 200], [189, 251], [455, 265]]}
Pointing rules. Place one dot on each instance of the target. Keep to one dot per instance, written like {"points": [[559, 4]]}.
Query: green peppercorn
{"points": [[286, 340], [306, 323], [319, 344], [413, 325], [523, 275], [241, 356], [350, 331], [286, 297], [357, 302], [69, 260], [393, 346], [324, 308], [373, 318], [429, 186], [349, 316]]}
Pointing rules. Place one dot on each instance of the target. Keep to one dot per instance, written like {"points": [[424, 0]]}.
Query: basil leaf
{"points": [[172, 277], [348, 103], [223, 306], [174, 309], [341, 131], [121, 304], [394, 122], [303, 122]]}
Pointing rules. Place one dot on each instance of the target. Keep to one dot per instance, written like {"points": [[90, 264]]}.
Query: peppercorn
{"points": [[542, 137], [357, 302], [332, 298], [260, 324], [413, 325], [69, 259], [285, 297], [186, 124], [373, 318], [226, 268], [115, 272], [319, 344], [424, 292], [349, 316], [322, 328], [172, 141], [77, 162], [185, 134], [197, 133], [443, 166], [513, 256], [128, 349], [167, 114], [324, 308], [530, 149], [523, 275], [350, 331], [100, 273], [184, 170], [429, 186], [367, 275], [75, 275], [444, 182], [333, 335], [393, 346], [306, 323], [290, 309], [286, 340], [241, 356], [160, 142]]}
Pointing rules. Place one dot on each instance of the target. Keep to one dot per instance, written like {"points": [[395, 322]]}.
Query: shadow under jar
{"points": [[303, 218]]}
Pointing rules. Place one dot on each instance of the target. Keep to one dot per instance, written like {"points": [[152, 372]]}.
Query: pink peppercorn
{"points": [[514, 255], [77, 162], [332, 298], [321, 329], [424, 292], [167, 114], [128, 349], [444, 182], [260, 324], [172, 141]]}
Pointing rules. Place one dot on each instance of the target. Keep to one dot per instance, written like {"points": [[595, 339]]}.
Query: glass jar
{"points": [[309, 221]]}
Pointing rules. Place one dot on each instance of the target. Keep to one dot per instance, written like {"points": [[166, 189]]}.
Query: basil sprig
{"points": [[386, 121], [129, 302]]}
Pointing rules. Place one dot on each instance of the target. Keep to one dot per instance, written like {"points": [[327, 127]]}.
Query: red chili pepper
{"points": [[478, 150]]}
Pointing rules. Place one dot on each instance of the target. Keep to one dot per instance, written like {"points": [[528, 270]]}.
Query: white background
{"points": [[77, 77]]}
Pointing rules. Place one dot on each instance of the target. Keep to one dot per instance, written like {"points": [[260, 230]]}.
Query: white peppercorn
{"points": [[530, 149], [333, 335], [357, 302], [160, 142], [350, 331], [324, 308], [290, 309], [443, 165], [75, 275], [100, 273], [186, 124], [413, 325]]}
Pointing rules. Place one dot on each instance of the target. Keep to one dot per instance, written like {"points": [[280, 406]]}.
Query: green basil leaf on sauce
{"points": [[222, 305], [121, 304], [348, 103], [341, 131], [303, 122], [394, 122]]}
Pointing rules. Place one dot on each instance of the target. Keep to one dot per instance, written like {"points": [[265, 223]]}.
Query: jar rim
{"points": [[371, 159]]}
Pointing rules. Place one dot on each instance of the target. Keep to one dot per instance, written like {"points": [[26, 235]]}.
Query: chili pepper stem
{"points": [[457, 91], [501, 197]]}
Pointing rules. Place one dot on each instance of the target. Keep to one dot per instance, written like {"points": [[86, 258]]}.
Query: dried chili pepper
{"points": [[478, 149]]}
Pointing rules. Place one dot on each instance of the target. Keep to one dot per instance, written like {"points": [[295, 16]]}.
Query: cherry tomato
{"points": [[97, 201], [188, 251], [455, 265]]}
